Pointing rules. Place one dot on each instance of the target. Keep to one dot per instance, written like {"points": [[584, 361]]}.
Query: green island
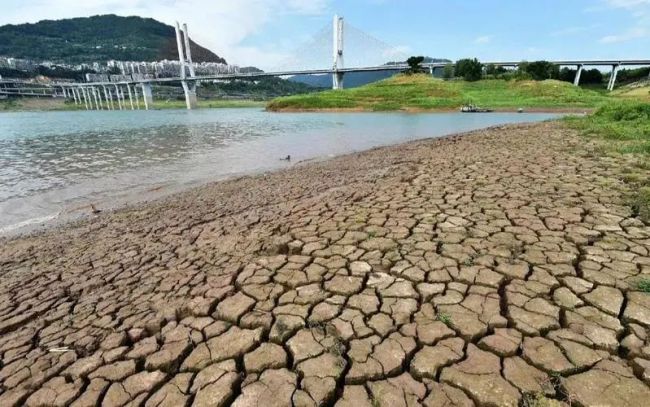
{"points": [[422, 92]]}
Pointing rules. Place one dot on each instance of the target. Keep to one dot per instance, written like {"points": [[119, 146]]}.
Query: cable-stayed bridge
{"points": [[336, 49]]}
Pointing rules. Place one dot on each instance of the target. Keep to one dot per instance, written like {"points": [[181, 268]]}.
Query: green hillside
{"points": [[422, 92], [97, 38]]}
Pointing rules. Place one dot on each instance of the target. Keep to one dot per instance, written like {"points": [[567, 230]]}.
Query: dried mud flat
{"points": [[495, 269]]}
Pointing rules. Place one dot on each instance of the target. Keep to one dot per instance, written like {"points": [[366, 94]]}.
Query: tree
{"points": [[114, 70], [414, 64], [592, 76], [469, 69], [448, 71], [541, 70], [494, 70]]}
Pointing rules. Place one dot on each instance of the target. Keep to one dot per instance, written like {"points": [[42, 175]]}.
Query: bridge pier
{"points": [[135, 94], [612, 78], [84, 91], [99, 98], [128, 88], [147, 96], [576, 80], [190, 94], [117, 96], [109, 102], [74, 95], [337, 80]]}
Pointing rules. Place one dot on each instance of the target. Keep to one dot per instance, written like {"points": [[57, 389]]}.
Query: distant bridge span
{"points": [[394, 67], [109, 95]]}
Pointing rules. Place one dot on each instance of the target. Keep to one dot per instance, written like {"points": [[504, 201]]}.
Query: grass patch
{"points": [[445, 319], [36, 104], [624, 125], [206, 104], [624, 128], [423, 92], [644, 285], [640, 203]]}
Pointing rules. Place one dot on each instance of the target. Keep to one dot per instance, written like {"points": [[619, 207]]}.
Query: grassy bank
{"points": [[422, 92], [623, 125], [641, 92], [208, 104], [52, 104], [36, 105], [624, 128]]}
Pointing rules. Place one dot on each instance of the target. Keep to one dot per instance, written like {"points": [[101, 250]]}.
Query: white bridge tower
{"points": [[185, 59], [337, 77]]}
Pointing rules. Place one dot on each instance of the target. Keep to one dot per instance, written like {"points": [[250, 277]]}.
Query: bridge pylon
{"points": [[337, 47], [185, 58]]}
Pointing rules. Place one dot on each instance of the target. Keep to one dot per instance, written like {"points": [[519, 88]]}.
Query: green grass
{"points": [[445, 319], [644, 285], [51, 104], [624, 128], [207, 104], [422, 92], [624, 125], [640, 203], [37, 104]]}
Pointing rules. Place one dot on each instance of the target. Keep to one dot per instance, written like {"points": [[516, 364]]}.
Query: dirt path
{"points": [[496, 268]]}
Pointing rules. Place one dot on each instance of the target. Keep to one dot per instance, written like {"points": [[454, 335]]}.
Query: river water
{"points": [[54, 164]]}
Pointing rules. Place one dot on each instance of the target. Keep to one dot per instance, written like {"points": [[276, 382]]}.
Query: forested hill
{"points": [[97, 38]]}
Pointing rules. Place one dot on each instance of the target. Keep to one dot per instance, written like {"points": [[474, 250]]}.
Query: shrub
{"points": [[448, 71], [415, 65], [593, 76], [469, 69], [541, 70]]}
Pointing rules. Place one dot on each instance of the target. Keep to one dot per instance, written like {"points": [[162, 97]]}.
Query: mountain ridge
{"points": [[96, 39]]}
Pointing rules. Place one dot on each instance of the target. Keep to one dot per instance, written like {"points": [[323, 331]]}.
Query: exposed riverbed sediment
{"points": [[493, 268]]}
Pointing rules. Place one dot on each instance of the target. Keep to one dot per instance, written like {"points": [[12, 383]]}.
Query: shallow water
{"points": [[57, 163]]}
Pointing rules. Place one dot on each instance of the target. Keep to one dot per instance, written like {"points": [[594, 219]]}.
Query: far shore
{"points": [[55, 105], [570, 110]]}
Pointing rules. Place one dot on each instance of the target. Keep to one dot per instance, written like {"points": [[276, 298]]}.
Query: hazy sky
{"points": [[265, 32]]}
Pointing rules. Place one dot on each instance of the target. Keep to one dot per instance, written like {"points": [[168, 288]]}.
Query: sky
{"points": [[267, 33]]}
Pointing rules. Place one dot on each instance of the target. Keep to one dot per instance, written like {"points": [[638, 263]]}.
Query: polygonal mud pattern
{"points": [[497, 268]]}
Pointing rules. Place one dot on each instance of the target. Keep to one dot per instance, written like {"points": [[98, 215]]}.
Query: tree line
{"points": [[471, 69]]}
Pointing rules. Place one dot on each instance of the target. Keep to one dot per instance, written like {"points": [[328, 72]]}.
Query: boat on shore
{"points": [[474, 109]]}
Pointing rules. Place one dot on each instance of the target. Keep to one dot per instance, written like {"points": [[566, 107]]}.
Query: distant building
{"points": [[127, 69]]}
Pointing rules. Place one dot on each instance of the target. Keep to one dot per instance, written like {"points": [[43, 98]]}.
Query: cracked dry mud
{"points": [[494, 269]]}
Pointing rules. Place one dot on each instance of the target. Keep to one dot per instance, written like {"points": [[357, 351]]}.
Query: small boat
{"points": [[474, 109]]}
